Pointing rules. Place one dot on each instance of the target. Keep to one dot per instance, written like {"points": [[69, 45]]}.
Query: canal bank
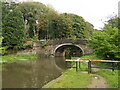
{"points": [[70, 79], [28, 54], [52, 69], [100, 78], [31, 73], [82, 80], [19, 57]]}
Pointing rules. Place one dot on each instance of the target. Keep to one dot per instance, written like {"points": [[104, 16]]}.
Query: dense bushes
{"points": [[35, 21], [105, 43], [12, 27]]}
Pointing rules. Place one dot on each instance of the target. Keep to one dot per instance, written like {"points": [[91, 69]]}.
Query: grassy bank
{"points": [[72, 79], [13, 58], [110, 76]]}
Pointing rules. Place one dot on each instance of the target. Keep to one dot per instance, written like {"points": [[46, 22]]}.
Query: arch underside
{"points": [[61, 49]]}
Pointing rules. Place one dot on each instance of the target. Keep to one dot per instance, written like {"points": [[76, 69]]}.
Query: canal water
{"points": [[32, 73]]}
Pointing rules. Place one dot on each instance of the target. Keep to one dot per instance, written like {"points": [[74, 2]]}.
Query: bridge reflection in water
{"points": [[36, 73], [33, 73]]}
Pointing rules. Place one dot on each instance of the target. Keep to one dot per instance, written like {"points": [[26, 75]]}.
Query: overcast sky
{"points": [[93, 11]]}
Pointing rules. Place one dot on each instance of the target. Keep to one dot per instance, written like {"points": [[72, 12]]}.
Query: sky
{"points": [[94, 11]]}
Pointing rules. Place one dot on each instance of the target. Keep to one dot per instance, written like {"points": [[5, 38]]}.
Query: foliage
{"points": [[34, 20], [93, 57], [89, 30], [73, 52], [113, 22], [44, 43], [12, 27], [79, 25], [27, 45], [53, 25], [105, 43], [74, 39], [31, 11], [2, 49]]}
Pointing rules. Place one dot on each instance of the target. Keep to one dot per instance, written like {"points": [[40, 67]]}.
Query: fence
{"points": [[90, 65]]}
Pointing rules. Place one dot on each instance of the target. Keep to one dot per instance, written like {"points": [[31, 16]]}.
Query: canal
{"points": [[32, 73]]}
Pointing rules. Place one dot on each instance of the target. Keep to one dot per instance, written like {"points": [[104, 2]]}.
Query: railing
{"points": [[89, 63]]}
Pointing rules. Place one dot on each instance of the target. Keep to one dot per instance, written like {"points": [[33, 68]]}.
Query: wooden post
{"points": [[118, 68], [66, 64], [76, 66], [79, 64], [89, 67], [112, 66]]}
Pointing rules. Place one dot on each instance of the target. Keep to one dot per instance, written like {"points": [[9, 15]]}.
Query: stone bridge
{"points": [[58, 47]]}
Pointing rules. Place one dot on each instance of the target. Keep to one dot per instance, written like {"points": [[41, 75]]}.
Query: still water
{"points": [[33, 73]]}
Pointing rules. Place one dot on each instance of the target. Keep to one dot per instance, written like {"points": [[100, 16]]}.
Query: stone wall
{"points": [[49, 49], [27, 51]]}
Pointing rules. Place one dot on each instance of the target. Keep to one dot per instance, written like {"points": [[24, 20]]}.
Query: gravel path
{"points": [[97, 80]]}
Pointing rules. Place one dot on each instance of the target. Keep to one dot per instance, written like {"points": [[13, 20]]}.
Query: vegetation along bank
{"points": [[81, 79]]}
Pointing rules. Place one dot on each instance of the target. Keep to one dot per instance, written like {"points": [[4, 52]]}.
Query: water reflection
{"points": [[32, 74]]}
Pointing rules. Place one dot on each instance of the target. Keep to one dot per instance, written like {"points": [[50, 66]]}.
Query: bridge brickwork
{"points": [[57, 47]]}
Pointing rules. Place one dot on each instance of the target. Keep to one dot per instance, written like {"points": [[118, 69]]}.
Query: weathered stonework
{"points": [[53, 46]]}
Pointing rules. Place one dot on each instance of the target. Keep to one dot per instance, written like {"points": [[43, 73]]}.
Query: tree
{"points": [[53, 25], [89, 30], [105, 43], [113, 22], [12, 27], [81, 28], [31, 12], [64, 25], [42, 27]]}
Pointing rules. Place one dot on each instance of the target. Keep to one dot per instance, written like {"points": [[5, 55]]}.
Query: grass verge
{"points": [[72, 79], [19, 57], [110, 76]]}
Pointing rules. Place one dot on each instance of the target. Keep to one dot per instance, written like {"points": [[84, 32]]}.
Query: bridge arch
{"points": [[60, 49]]}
